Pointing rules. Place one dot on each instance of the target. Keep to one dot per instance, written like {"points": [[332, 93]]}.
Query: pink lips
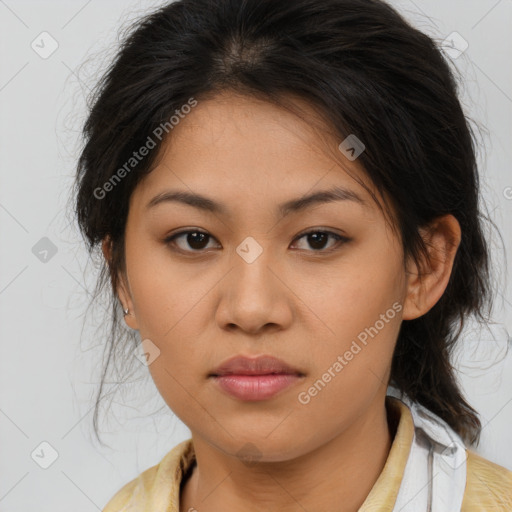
{"points": [[257, 378]]}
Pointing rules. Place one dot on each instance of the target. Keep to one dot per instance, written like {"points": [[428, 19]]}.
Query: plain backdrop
{"points": [[50, 360]]}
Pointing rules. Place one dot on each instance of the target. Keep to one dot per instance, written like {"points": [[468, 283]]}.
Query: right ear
{"points": [[122, 291]]}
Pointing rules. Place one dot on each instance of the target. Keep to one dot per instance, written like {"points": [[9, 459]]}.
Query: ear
{"points": [[427, 281], [123, 289]]}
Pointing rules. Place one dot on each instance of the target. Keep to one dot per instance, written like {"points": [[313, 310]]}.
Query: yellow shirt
{"points": [[488, 485]]}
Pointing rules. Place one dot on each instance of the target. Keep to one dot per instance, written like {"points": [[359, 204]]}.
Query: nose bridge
{"points": [[252, 295], [253, 273]]}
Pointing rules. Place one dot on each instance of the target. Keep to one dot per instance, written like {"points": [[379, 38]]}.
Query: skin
{"points": [[302, 303]]}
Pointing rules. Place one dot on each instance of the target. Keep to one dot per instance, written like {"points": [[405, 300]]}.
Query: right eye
{"points": [[195, 239]]}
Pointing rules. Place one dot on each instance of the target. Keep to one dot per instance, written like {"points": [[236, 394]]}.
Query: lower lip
{"points": [[255, 387]]}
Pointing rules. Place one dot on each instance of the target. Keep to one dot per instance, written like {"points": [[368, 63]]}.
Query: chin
{"points": [[255, 449]]}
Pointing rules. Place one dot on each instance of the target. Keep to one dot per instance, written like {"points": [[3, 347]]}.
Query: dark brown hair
{"points": [[367, 72]]}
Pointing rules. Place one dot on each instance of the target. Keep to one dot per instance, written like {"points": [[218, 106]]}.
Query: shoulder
{"points": [[134, 493], [157, 483], [488, 486]]}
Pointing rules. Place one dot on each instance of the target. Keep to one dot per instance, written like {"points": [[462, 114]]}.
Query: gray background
{"points": [[49, 368]]}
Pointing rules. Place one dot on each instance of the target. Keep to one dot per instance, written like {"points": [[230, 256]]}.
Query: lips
{"points": [[261, 365], [255, 379]]}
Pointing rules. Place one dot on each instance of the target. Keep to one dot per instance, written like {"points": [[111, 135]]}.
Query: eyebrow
{"points": [[293, 206]]}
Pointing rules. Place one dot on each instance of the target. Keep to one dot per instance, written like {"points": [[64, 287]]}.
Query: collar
{"points": [[435, 473]]}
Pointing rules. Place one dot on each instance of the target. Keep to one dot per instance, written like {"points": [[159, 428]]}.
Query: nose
{"points": [[255, 298]]}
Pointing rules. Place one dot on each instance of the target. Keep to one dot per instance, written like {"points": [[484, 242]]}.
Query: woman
{"points": [[286, 197]]}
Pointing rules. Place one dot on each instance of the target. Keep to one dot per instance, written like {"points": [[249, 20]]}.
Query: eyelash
{"points": [[339, 238]]}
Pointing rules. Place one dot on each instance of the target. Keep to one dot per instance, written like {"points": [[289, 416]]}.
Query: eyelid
{"points": [[320, 229]]}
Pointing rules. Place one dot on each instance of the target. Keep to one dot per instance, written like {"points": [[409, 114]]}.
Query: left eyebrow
{"points": [[293, 206], [323, 196]]}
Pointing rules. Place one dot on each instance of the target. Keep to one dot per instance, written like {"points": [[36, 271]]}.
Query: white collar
{"points": [[434, 478]]}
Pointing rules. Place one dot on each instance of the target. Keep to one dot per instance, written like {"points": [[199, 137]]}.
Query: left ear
{"points": [[427, 281]]}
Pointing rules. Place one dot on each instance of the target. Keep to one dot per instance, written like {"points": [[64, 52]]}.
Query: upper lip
{"points": [[260, 365]]}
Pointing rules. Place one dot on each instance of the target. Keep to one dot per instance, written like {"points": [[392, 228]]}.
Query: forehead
{"points": [[245, 124], [258, 150]]}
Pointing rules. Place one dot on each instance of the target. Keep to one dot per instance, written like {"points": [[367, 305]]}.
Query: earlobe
{"points": [[126, 304], [129, 318], [427, 281], [122, 289]]}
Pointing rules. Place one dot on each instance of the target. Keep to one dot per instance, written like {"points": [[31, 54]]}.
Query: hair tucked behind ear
{"points": [[367, 72]]}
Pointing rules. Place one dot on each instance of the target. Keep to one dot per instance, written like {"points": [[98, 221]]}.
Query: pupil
{"points": [[192, 242], [315, 237]]}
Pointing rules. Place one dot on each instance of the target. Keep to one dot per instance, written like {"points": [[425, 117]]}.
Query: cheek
{"points": [[179, 369], [160, 294], [357, 309], [352, 294], [350, 370]]}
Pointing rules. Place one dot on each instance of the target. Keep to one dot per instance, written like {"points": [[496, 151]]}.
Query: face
{"points": [[321, 286]]}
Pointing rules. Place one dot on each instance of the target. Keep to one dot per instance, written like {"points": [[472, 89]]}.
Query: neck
{"points": [[337, 476]]}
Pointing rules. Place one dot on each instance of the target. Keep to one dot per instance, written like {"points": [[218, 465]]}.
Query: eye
{"points": [[318, 239], [195, 239]]}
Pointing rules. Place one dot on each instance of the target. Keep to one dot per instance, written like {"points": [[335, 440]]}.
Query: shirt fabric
{"points": [[427, 469]]}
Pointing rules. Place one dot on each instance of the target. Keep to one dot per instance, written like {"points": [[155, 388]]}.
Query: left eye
{"points": [[198, 240], [318, 239]]}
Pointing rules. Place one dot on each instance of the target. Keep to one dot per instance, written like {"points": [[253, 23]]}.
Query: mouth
{"points": [[261, 365], [254, 379]]}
